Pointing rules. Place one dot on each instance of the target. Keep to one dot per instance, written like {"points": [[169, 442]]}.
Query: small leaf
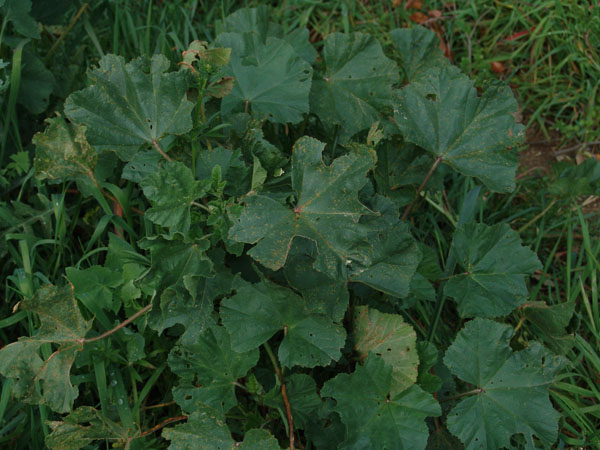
{"points": [[205, 429], [356, 85], [130, 105], [62, 152], [17, 12], [376, 418], [511, 388], [550, 323], [171, 191], [258, 311], [48, 381], [327, 212], [95, 285], [495, 265], [443, 114], [210, 363], [387, 336], [233, 169]]}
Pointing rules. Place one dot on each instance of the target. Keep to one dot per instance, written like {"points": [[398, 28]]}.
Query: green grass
{"points": [[554, 69]]}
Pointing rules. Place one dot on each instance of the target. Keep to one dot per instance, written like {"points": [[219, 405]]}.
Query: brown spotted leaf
{"points": [[388, 336], [40, 380], [327, 211]]}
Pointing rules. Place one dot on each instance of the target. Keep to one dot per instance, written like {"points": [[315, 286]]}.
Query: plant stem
{"points": [[536, 218], [464, 394], [420, 188], [201, 206], [160, 150], [286, 402], [160, 425], [64, 34], [142, 311]]}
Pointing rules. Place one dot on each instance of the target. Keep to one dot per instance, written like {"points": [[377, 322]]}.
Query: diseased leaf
{"points": [[419, 50], [511, 388], [47, 381], [495, 265], [387, 336], [374, 416], [327, 212], [130, 105], [443, 114], [302, 395], [356, 85], [257, 311], [171, 192], [258, 439], [62, 152], [82, 427], [211, 364], [271, 79]]}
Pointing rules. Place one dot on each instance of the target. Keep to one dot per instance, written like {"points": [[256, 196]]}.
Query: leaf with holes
{"points": [[210, 363], [131, 105], [495, 265], [511, 388], [327, 212], [387, 336], [474, 135], [46, 380]]}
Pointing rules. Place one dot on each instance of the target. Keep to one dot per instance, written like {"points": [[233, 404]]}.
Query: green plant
{"points": [[259, 249]]}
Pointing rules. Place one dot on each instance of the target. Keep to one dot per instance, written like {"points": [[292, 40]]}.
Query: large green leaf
{"points": [[82, 427], [211, 364], [271, 80], [327, 212], [388, 336], [495, 265], [172, 190], [40, 380], [17, 12], [256, 22], [257, 311], [356, 85], [511, 388], [130, 105], [419, 50], [443, 114], [62, 152], [374, 417]]}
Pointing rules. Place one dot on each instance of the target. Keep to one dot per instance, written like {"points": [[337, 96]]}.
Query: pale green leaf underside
{"points": [[514, 388], [443, 114], [356, 85], [129, 105], [327, 212], [495, 265], [388, 336]]}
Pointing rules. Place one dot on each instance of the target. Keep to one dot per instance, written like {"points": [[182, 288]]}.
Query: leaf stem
{"points": [[142, 311], [286, 402], [420, 188], [160, 425], [201, 206], [464, 394], [160, 150]]}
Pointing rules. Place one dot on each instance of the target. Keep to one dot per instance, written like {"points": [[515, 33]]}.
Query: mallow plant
{"points": [[259, 283]]}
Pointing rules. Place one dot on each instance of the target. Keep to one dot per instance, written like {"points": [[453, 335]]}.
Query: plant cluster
{"points": [[264, 198]]}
